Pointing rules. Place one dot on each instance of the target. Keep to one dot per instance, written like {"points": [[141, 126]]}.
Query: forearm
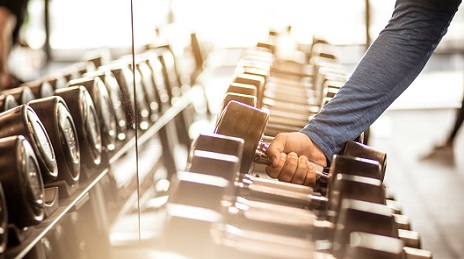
{"points": [[390, 65]]}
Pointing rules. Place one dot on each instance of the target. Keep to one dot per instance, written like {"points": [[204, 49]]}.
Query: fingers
{"points": [[310, 179], [290, 167], [275, 168], [293, 169]]}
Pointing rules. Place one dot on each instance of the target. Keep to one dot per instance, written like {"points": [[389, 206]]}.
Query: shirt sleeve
{"points": [[390, 65]]}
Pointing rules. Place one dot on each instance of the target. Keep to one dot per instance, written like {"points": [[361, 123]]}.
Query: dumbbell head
{"points": [[115, 94], [188, 230], [22, 182], [104, 107], [22, 120], [367, 246], [85, 118], [242, 98], [216, 164], [7, 102], [342, 164], [3, 221], [198, 190], [218, 143], [356, 149], [245, 122], [354, 187], [58, 122], [125, 78], [376, 219], [40, 88], [239, 88], [21, 94]]}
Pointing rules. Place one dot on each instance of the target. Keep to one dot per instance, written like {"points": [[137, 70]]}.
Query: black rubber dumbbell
{"points": [[22, 120], [59, 123]]}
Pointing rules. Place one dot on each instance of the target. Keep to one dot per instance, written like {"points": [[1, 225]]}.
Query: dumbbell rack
{"points": [[81, 195], [179, 233], [87, 189]]}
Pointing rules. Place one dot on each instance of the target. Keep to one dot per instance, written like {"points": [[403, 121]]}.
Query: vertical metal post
{"points": [[46, 46], [368, 23]]}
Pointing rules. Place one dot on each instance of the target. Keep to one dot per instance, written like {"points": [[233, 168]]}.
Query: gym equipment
{"points": [[85, 116], [22, 183], [216, 144], [104, 107], [3, 222], [357, 149], [124, 76], [39, 88], [115, 96], [22, 120], [22, 94], [226, 167], [7, 102], [247, 122], [59, 124]]}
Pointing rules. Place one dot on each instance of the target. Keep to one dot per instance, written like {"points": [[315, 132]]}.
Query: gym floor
{"points": [[430, 191]]}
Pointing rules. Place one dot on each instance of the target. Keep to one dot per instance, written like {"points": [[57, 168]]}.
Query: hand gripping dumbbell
{"points": [[254, 188], [248, 123], [204, 158]]}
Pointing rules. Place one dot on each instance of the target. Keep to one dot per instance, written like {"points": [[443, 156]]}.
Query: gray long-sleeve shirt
{"points": [[390, 65]]}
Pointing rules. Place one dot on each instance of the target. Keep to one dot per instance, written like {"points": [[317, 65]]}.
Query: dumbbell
{"points": [[7, 102], [189, 193], [59, 124], [216, 144], [377, 219], [205, 188], [125, 78], [56, 80], [3, 221], [226, 167], [287, 119], [251, 128], [39, 88], [170, 72], [159, 80], [22, 120], [204, 236], [21, 94], [22, 182], [104, 108], [85, 119], [115, 94], [205, 191], [149, 87]]}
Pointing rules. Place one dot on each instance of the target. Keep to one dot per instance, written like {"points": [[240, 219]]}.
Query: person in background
{"points": [[12, 15], [444, 152], [389, 66]]}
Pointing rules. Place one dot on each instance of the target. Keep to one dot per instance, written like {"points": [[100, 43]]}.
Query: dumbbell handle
{"points": [[262, 158]]}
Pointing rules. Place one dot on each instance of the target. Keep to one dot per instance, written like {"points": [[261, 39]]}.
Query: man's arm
{"points": [[392, 62]]}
